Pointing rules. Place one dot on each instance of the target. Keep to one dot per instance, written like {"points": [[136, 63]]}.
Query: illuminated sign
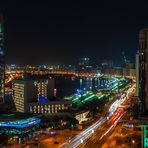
{"points": [[145, 136], [145, 142]]}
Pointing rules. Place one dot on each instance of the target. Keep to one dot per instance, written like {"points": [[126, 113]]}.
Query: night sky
{"points": [[60, 32]]}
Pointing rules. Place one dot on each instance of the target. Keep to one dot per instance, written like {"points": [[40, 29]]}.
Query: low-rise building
{"points": [[48, 107], [34, 96], [81, 116], [19, 126]]}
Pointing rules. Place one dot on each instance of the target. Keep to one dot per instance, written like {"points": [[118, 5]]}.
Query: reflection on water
{"points": [[69, 85]]}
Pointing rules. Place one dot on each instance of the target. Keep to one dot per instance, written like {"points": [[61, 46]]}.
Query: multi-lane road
{"points": [[101, 135], [115, 113]]}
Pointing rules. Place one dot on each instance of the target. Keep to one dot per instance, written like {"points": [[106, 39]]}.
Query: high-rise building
{"points": [[23, 92], [33, 96], [137, 74], [2, 61], [45, 87], [28, 90], [143, 69]]}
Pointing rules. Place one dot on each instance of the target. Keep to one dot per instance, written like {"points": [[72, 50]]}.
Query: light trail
{"points": [[88, 132], [77, 140], [112, 126]]}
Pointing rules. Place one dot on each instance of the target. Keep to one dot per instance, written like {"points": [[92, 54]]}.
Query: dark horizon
{"points": [[38, 32]]}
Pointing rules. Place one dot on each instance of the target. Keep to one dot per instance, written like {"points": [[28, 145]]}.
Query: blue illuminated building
{"points": [[35, 90], [43, 99], [19, 123]]}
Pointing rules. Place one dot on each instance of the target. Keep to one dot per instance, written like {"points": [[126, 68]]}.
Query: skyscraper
{"points": [[2, 62], [137, 74], [143, 69]]}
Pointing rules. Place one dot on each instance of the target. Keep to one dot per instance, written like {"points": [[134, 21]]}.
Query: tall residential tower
{"points": [[143, 69], [2, 61]]}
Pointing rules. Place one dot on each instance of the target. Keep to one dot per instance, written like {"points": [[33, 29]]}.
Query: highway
{"points": [[79, 139], [101, 135], [114, 115]]}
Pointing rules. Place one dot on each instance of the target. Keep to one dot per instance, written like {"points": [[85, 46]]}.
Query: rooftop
{"points": [[18, 120]]}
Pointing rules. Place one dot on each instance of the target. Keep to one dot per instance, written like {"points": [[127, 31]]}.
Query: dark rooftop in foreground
{"points": [[16, 116]]}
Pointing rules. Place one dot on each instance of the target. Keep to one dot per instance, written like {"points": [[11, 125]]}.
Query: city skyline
{"points": [[64, 31], [73, 74]]}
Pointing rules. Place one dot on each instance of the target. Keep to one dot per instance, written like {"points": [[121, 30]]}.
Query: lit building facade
{"points": [[45, 87], [48, 107], [19, 126], [82, 116], [27, 91], [32, 96], [2, 61], [143, 69], [23, 92]]}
